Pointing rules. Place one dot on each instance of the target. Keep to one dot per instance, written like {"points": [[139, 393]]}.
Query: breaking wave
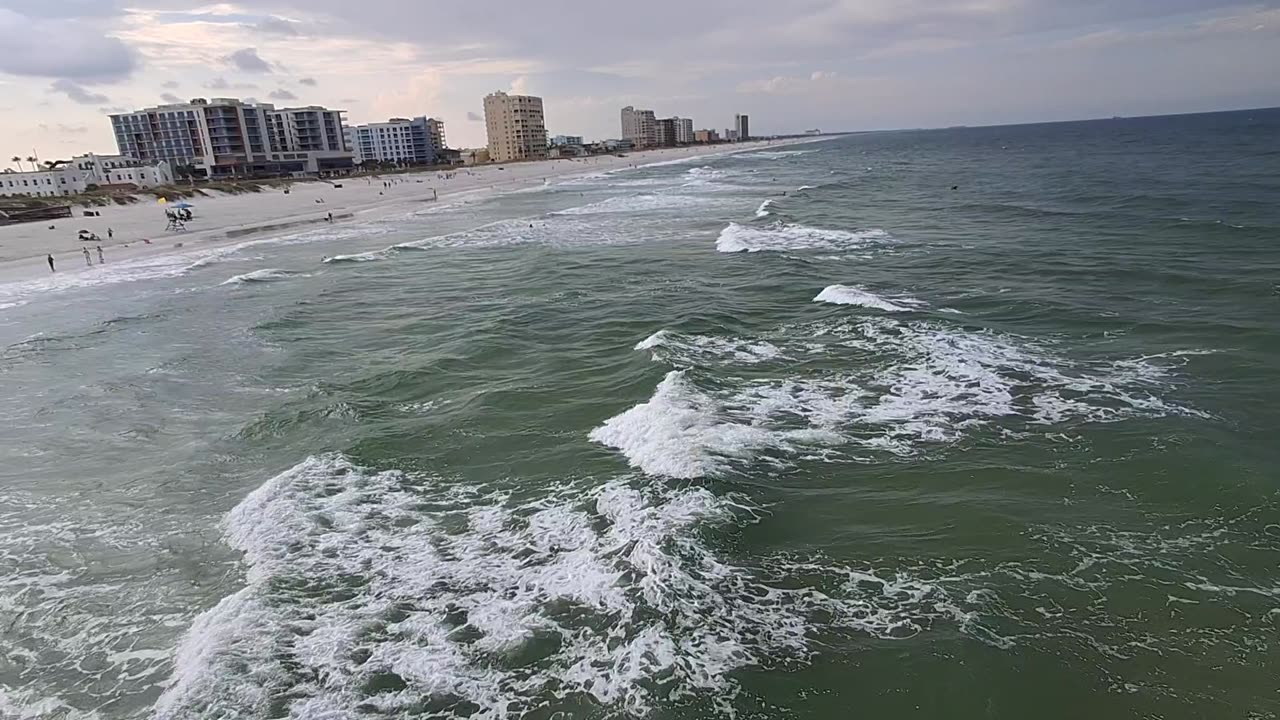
{"points": [[257, 276], [635, 203], [784, 237], [908, 387], [846, 295], [383, 594]]}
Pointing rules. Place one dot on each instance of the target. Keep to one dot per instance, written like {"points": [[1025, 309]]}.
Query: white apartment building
{"points": [[516, 126], [226, 137], [416, 141], [684, 131], [82, 173], [640, 127]]}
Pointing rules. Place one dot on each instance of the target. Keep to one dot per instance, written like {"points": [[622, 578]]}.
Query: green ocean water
{"points": [[646, 445]]}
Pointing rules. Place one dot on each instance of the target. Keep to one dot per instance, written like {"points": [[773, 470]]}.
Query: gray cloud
{"points": [[65, 9], [276, 26], [170, 98], [248, 60], [170, 85], [113, 110], [309, 82], [282, 94], [474, 117], [43, 45], [77, 94], [909, 59], [220, 83]]}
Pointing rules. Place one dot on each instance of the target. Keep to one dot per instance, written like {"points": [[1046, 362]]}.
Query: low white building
{"points": [[84, 172]]}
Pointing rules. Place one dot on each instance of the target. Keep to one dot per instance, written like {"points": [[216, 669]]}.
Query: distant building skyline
{"points": [[841, 66]]}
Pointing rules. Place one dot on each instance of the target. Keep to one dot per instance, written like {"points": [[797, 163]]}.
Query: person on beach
{"points": [[110, 233], [50, 258], [101, 260], [87, 260], [331, 217]]}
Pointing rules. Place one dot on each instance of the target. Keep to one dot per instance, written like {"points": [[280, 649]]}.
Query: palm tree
{"points": [[18, 160], [32, 159]]}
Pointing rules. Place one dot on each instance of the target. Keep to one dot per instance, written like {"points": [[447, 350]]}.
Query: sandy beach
{"points": [[222, 219]]}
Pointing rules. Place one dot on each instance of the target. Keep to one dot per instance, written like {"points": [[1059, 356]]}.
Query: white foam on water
{"points": [[776, 154], [848, 295], [789, 237], [678, 432], [20, 705], [263, 275], [696, 349], [807, 187], [371, 593], [370, 256], [763, 210], [906, 387], [635, 203]]}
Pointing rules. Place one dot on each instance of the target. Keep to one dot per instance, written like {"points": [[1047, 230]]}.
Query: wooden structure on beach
{"points": [[12, 213]]}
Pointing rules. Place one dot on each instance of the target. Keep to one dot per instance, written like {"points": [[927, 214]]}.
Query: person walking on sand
{"points": [[110, 233], [87, 260], [101, 260], [50, 258]]}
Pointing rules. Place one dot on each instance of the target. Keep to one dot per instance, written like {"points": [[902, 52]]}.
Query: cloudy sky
{"points": [[793, 65]]}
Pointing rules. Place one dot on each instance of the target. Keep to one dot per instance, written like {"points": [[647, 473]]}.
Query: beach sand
{"points": [[223, 219]]}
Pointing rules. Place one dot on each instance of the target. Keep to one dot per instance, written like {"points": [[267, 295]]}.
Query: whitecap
{"points": [[784, 237], [634, 204], [606, 594], [847, 295], [263, 275], [763, 210]]}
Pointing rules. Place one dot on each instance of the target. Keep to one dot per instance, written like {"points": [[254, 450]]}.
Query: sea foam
{"points": [[791, 237], [847, 295], [400, 590]]}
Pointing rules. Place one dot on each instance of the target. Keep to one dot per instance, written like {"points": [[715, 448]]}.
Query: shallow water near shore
{"points": [[795, 432]]}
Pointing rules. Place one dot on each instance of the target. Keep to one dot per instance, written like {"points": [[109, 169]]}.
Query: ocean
{"points": [[965, 423]]}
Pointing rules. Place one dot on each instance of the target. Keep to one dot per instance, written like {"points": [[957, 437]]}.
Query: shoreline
{"points": [[23, 247]]}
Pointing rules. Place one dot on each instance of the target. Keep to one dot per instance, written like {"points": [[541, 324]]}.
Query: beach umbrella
{"points": [[183, 205]]}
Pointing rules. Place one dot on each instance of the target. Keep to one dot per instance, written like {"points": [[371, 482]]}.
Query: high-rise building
{"points": [[742, 126], [224, 136], [407, 141], [666, 132], [684, 131], [640, 127], [516, 126]]}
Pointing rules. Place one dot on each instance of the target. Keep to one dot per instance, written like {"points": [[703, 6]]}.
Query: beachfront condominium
{"points": [[516, 127], [400, 141], [666, 132], [640, 127], [742, 127], [684, 130], [224, 137]]}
